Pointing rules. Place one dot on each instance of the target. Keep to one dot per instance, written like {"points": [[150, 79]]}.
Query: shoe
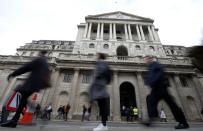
{"points": [[182, 126], [10, 123], [101, 127]]}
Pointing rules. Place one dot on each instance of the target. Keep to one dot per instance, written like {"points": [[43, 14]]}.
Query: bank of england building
{"points": [[125, 38]]}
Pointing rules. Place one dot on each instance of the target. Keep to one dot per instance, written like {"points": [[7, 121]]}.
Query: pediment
{"points": [[119, 15]]}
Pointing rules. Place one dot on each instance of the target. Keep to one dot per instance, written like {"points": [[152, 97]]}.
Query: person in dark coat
{"points": [[89, 109], [38, 79], [158, 83], [98, 91], [67, 109], [84, 109]]}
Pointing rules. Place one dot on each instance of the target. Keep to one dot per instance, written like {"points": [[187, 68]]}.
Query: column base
{"points": [[116, 118], [129, 40], [112, 40]]}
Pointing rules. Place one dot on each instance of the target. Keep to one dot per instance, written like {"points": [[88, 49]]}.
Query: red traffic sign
{"points": [[14, 101]]}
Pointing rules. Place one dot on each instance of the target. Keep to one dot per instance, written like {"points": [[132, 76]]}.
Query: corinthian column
{"points": [[150, 33], [110, 31], [89, 31], [138, 33], [74, 89], [98, 30], [85, 32], [126, 33], [129, 32], [142, 33], [102, 30]]}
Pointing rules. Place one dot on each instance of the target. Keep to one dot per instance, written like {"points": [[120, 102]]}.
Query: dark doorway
{"points": [[127, 95]]}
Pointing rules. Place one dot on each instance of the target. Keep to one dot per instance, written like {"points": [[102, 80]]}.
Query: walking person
{"points": [[66, 110], [60, 114], [158, 83], [162, 115], [49, 111], [83, 112], [98, 91], [38, 79], [89, 112], [37, 111]]}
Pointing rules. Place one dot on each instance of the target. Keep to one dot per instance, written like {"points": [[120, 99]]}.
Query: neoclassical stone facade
{"points": [[125, 38]]}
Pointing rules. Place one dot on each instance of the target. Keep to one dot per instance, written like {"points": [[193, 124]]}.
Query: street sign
{"points": [[14, 101]]}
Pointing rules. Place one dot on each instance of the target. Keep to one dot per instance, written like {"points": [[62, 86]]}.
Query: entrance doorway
{"points": [[127, 96]]}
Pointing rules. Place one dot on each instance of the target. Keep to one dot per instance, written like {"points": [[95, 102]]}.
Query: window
{"points": [[86, 77], [118, 32], [91, 45], [23, 53], [32, 53], [137, 47], [151, 48], [94, 31], [106, 46], [183, 81], [106, 31], [68, 76]]}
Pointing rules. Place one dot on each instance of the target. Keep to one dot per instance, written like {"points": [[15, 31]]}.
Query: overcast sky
{"points": [[180, 22]]}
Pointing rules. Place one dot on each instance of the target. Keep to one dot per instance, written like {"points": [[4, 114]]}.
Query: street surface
{"points": [[88, 126]]}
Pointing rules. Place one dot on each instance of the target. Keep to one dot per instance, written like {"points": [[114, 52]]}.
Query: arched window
{"points": [[106, 46], [137, 47], [91, 45], [151, 48]]}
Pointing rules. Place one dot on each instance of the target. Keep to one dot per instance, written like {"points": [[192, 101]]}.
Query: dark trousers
{"points": [[103, 109], [162, 93], [23, 103]]}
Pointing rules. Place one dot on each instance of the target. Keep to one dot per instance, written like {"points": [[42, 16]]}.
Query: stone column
{"points": [[199, 89], [74, 89], [129, 32], [102, 30], [110, 31], [156, 31], [89, 31], [143, 95], [181, 96], [138, 33], [138, 96], [55, 84], [154, 34], [116, 98], [142, 33], [98, 30], [126, 32], [150, 33], [85, 32], [114, 31]]}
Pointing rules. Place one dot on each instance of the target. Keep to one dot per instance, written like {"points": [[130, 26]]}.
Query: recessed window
{"points": [[86, 77], [106, 31], [32, 53], [94, 31], [91, 45], [151, 48], [68, 76], [137, 47], [23, 53], [183, 81], [118, 32], [106, 46]]}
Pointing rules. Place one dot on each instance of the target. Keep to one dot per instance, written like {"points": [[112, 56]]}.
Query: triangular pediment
{"points": [[119, 15]]}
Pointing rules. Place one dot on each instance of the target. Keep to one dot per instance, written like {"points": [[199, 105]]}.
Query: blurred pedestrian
{"points": [[158, 83], [38, 79], [89, 112], [37, 111], [49, 111], [162, 115], [98, 91], [84, 109], [59, 111], [66, 111]]}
